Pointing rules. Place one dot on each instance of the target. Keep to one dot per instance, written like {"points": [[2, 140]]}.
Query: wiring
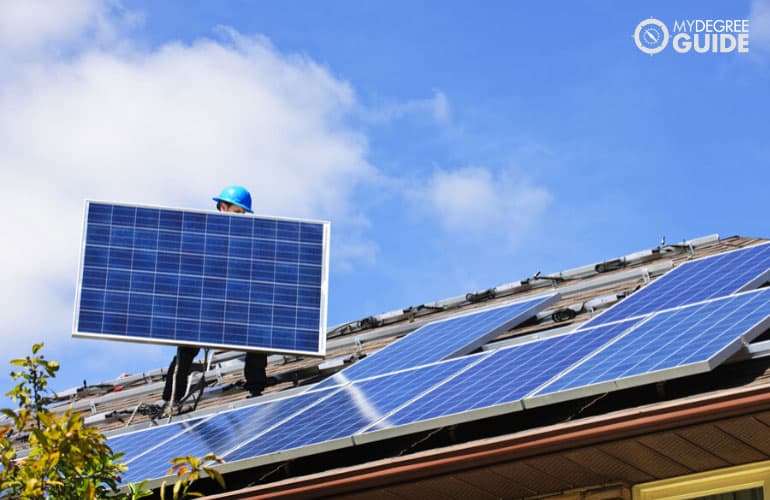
{"points": [[420, 441], [270, 473], [586, 406]]}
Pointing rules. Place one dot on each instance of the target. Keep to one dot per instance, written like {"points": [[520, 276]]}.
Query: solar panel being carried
{"points": [[186, 277]]}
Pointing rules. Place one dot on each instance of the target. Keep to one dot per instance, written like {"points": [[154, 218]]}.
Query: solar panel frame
{"points": [[136, 292]]}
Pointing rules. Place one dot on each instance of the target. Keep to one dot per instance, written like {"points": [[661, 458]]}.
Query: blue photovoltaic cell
{"points": [[695, 281], [506, 376], [350, 409], [208, 279], [137, 443], [441, 339], [217, 434], [672, 339]]}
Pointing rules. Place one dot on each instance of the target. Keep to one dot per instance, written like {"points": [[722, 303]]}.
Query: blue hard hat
{"points": [[237, 195]]}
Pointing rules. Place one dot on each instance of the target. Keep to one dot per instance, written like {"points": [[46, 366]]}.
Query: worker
{"points": [[234, 199]]}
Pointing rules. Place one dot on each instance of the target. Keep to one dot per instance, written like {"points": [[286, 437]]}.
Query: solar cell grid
{"points": [[211, 279]]}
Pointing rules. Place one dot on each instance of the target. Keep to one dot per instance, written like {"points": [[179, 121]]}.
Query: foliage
{"points": [[67, 460], [188, 470], [136, 490]]}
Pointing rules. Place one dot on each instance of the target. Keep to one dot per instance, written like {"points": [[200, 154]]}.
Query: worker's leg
{"points": [[254, 371], [182, 362]]}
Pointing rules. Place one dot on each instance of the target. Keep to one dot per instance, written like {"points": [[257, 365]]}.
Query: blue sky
{"points": [[454, 146]]}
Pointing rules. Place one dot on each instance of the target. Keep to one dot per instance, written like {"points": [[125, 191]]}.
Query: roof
{"points": [[596, 430]]}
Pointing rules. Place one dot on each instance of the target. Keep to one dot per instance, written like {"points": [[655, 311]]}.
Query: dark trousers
{"points": [[184, 358], [253, 371]]}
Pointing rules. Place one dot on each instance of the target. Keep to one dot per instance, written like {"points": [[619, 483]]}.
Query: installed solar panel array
{"points": [[443, 339], [690, 339], [695, 281], [694, 336], [186, 277], [303, 420]]}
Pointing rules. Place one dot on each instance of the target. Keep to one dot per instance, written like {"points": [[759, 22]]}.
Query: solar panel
{"points": [[136, 444], [695, 281], [187, 277], [443, 339], [349, 409], [691, 339], [216, 434], [500, 380]]}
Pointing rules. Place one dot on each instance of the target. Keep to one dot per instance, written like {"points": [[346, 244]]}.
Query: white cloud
{"points": [[437, 108], [353, 251], [759, 24], [168, 126], [25, 25], [29, 28], [440, 108], [474, 200]]}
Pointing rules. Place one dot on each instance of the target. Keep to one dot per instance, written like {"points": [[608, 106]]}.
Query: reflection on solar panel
{"points": [[350, 409], [217, 434], [691, 339], [443, 339], [136, 444], [203, 278], [695, 281], [505, 377]]}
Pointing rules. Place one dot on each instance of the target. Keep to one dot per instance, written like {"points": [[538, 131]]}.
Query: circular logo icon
{"points": [[651, 36]]}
